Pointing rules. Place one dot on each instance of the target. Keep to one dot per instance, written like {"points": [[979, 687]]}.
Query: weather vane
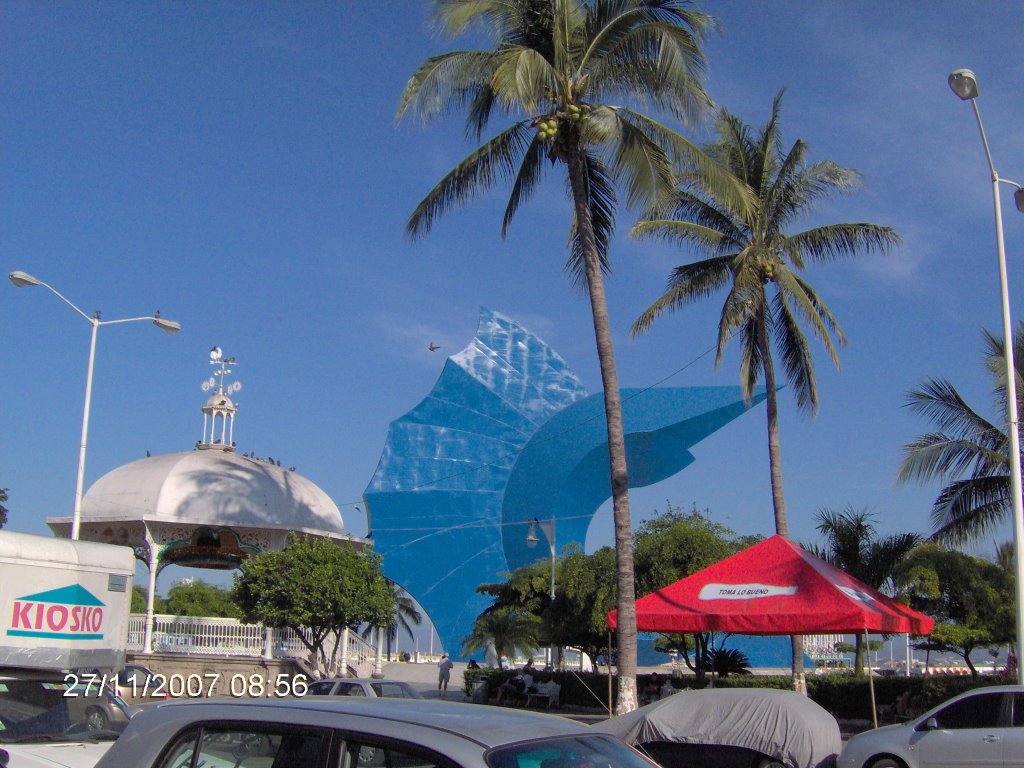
{"points": [[217, 380]]}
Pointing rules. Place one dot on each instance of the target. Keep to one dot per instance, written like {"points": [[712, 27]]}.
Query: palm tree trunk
{"points": [[624, 577], [775, 468]]}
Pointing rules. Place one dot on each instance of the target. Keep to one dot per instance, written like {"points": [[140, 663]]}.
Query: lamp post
{"points": [[965, 85], [23, 280], [548, 527]]}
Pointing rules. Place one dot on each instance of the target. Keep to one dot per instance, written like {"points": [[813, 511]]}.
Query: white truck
{"points": [[63, 630]]}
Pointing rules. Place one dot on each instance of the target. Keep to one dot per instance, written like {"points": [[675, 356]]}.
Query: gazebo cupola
{"points": [[219, 411]]}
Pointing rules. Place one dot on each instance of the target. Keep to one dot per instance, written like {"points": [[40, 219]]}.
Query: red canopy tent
{"points": [[774, 588]]}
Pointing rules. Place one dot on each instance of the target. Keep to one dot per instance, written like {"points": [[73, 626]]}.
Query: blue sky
{"points": [[237, 166]]}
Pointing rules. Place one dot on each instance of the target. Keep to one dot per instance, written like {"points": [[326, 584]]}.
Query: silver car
{"points": [[349, 686], [346, 732], [983, 728]]}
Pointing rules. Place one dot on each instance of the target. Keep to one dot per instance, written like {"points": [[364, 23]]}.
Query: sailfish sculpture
{"points": [[509, 435]]}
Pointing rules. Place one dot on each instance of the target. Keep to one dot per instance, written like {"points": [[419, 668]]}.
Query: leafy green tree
{"points": [[318, 588], [749, 254], [970, 599], [504, 630], [3, 508], [852, 545], [198, 598], [585, 593], [140, 602], [555, 68], [966, 447]]}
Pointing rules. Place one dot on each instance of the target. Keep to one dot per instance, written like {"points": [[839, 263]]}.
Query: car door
{"points": [[1013, 743], [970, 733], [255, 745]]}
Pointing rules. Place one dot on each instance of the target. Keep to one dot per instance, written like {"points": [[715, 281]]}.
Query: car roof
{"points": [[485, 726]]}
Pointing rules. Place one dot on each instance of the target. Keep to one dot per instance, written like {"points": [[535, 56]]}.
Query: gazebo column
{"points": [[154, 560], [343, 670], [378, 667]]}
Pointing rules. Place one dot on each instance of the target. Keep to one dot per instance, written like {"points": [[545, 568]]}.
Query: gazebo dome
{"points": [[213, 488]]}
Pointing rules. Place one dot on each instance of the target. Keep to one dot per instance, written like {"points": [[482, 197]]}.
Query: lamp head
{"points": [[964, 84], [531, 535], [21, 279], [168, 326], [1018, 199]]}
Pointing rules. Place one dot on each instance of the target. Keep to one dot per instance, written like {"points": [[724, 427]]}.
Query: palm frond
{"points": [[836, 241], [683, 233], [445, 83], [523, 79], [687, 283], [530, 172], [797, 360], [939, 401], [938, 455], [969, 509], [498, 158]]}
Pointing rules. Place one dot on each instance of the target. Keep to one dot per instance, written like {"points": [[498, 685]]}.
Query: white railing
{"points": [[230, 637]]}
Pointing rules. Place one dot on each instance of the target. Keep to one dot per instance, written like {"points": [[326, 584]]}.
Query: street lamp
{"points": [[965, 85], [548, 527], [23, 280]]}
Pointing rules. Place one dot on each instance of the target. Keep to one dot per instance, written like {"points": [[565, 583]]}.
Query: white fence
{"points": [[229, 637]]}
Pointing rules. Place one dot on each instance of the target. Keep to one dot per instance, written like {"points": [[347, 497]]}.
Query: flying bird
{"points": [[432, 346]]}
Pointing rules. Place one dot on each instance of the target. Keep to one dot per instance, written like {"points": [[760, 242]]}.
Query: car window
{"points": [[349, 689], [366, 752], [320, 688], [248, 747], [567, 752], [54, 710], [982, 711], [391, 690], [1018, 710]]}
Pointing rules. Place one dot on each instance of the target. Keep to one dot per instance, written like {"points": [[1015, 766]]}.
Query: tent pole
{"points": [[871, 681]]}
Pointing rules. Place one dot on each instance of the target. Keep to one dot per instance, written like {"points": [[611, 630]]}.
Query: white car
{"points": [[335, 731], [371, 687], [983, 728]]}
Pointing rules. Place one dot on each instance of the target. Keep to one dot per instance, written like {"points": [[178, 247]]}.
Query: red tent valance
{"points": [[774, 588]]}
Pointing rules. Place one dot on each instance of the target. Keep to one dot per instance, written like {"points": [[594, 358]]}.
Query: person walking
{"points": [[444, 672]]}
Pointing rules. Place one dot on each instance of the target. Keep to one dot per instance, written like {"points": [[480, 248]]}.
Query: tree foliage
{"points": [[506, 631], [198, 598], [967, 452], [852, 545], [971, 599], [318, 588]]}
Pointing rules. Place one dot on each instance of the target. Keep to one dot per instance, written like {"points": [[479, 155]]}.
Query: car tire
{"points": [[97, 719], [886, 762]]}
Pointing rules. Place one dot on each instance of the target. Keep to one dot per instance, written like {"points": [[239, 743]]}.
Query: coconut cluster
{"points": [[548, 125]]}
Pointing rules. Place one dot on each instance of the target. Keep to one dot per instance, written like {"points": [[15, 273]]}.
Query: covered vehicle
{"points": [[732, 727]]}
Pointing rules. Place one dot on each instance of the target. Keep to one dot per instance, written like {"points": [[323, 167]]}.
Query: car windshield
{"points": [[44, 710], [567, 752]]}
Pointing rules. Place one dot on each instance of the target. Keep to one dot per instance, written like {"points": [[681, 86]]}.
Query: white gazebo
{"points": [[205, 508]]}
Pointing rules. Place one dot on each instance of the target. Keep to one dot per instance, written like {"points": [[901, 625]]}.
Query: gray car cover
{"points": [[784, 725]]}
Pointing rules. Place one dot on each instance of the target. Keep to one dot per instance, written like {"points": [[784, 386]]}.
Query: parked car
{"points": [[322, 731], [983, 728], [732, 728], [46, 717], [349, 686], [138, 682]]}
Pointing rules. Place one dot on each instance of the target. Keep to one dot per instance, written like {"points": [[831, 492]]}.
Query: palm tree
{"points": [[504, 630], [967, 447], [406, 615], [852, 546], [554, 66], [749, 253]]}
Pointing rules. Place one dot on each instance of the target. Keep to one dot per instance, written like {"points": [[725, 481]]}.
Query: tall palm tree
{"points": [[967, 447], [505, 630], [749, 254], [851, 545], [554, 67]]}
